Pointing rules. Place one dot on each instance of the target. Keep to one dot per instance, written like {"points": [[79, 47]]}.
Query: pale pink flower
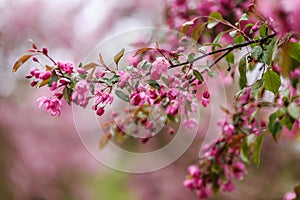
{"points": [[100, 73], [194, 171], [205, 98], [189, 123], [160, 66], [53, 104], [239, 170], [124, 77], [79, 96], [45, 75], [228, 187], [172, 108], [66, 67], [290, 196], [104, 98]]}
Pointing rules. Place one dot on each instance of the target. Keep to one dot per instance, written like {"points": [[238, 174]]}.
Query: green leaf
{"points": [[242, 71], [288, 122], [122, 95], [230, 58], [198, 75], [263, 31], [119, 56], [153, 84], [272, 81], [197, 31], [244, 17], [115, 78], [267, 54], [294, 110], [239, 39], [257, 88], [233, 33], [245, 152], [213, 19], [191, 57], [217, 41], [256, 52], [274, 126], [257, 149], [67, 93], [294, 50], [144, 64]]}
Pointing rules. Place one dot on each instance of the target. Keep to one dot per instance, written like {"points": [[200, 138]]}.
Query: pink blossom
{"points": [[138, 98], [81, 70], [79, 96], [189, 183], [53, 104], [66, 67], [205, 98], [239, 170], [194, 171], [45, 75], [124, 77], [160, 66], [35, 72], [228, 130], [104, 98], [172, 108], [100, 111], [100, 73], [53, 86], [189, 123], [290, 196], [228, 187]]}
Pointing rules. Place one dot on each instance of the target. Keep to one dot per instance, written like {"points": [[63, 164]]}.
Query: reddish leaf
{"points": [[101, 59], [42, 83], [104, 140], [20, 62], [119, 56], [90, 66], [142, 50]]}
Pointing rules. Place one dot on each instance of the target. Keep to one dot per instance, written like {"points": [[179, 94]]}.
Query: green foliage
{"points": [[294, 110], [214, 19], [122, 95], [198, 75], [257, 52], [230, 58], [272, 81], [257, 88], [257, 149], [274, 126], [294, 50], [67, 93], [242, 71]]}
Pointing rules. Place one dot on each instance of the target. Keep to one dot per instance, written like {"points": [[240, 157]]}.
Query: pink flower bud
{"points": [[45, 75], [100, 111], [81, 71], [189, 183], [254, 28], [35, 59], [45, 51], [53, 86], [33, 83], [194, 171]]}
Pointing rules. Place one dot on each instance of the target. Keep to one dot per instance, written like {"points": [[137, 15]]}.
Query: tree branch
{"points": [[228, 49]]}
